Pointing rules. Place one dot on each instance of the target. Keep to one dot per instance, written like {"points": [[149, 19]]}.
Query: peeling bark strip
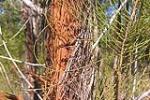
{"points": [[64, 53], [31, 5], [64, 29]]}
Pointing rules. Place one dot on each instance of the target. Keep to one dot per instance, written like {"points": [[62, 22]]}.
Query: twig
{"points": [[110, 22], [142, 96], [22, 62], [6, 76], [20, 29], [135, 72], [16, 66]]}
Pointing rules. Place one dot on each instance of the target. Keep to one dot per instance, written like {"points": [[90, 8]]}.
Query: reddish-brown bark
{"points": [[65, 26]]}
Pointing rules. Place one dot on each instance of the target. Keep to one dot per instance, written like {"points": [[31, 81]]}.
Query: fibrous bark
{"points": [[32, 29], [68, 50]]}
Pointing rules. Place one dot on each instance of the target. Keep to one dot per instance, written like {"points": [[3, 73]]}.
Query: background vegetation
{"points": [[123, 62]]}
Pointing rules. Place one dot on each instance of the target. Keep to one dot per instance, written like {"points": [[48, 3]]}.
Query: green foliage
{"points": [[11, 23], [122, 40]]}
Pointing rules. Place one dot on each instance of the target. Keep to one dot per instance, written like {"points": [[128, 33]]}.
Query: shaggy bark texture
{"points": [[32, 30], [68, 50]]}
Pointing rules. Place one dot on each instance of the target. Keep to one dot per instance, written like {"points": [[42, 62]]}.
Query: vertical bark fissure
{"points": [[31, 31], [68, 47]]}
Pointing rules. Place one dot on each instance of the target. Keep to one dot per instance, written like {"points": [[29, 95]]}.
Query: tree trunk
{"points": [[31, 31], [68, 50]]}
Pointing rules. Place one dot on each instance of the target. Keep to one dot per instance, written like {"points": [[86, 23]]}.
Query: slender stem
{"points": [[16, 66], [135, 73]]}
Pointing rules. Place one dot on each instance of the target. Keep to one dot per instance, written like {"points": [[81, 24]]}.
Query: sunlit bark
{"points": [[64, 29]]}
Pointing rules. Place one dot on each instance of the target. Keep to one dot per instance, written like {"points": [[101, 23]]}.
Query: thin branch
{"points": [[133, 17], [16, 66], [144, 95], [20, 29], [22, 62], [135, 73], [6, 77], [110, 22]]}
